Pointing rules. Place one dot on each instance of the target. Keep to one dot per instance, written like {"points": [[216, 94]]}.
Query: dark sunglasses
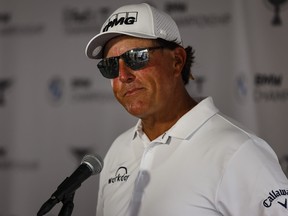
{"points": [[135, 59]]}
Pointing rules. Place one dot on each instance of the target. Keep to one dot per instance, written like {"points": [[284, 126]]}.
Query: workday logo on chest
{"points": [[120, 19], [121, 175]]}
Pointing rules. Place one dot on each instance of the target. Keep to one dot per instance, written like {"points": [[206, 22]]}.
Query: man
{"points": [[183, 157]]}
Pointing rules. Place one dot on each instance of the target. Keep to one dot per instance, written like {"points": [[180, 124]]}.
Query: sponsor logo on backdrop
{"points": [[242, 87], [5, 17], [8, 25], [269, 87], [276, 6], [84, 89], [80, 152], [79, 90], [179, 7], [3, 152], [5, 84], [183, 17], [7, 163], [56, 90], [196, 86], [199, 81], [78, 20]]}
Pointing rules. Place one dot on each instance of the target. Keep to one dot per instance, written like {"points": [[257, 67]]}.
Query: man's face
{"points": [[149, 91]]}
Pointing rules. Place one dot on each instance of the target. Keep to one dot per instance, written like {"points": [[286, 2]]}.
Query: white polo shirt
{"points": [[205, 165]]}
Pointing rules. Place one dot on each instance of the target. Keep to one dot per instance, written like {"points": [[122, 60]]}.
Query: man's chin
{"points": [[137, 111]]}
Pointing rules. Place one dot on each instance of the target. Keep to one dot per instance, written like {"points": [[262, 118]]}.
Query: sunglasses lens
{"points": [[136, 59], [109, 67]]}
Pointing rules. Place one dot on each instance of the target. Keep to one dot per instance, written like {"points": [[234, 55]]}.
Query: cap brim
{"points": [[94, 48]]}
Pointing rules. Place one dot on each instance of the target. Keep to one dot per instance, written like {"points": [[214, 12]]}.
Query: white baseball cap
{"points": [[137, 20]]}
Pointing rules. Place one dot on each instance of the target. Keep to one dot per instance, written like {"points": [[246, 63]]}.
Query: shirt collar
{"points": [[193, 119], [186, 125]]}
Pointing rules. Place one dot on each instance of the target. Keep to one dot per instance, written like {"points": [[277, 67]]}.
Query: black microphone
{"points": [[90, 165]]}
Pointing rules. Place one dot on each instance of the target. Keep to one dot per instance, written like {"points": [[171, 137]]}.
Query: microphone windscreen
{"points": [[95, 162]]}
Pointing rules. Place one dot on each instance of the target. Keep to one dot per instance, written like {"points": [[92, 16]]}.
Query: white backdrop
{"points": [[55, 106]]}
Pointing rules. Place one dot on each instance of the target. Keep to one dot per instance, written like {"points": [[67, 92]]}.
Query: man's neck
{"points": [[156, 125]]}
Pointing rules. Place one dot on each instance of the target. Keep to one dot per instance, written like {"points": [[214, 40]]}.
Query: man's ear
{"points": [[180, 59]]}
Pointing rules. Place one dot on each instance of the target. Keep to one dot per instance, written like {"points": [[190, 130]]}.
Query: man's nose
{"points": [[126, 74]]}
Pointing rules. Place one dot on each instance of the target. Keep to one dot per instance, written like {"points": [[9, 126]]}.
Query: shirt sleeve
{"points": [[253, 183]]}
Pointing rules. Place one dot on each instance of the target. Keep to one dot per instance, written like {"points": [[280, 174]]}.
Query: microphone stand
{"points": [[68, 205], [66, 209]]}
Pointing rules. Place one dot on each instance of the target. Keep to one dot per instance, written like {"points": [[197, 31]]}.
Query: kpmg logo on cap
{"points": [[124, 18]]}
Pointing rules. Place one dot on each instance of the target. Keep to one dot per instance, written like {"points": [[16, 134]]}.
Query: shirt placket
{"points": [[143, 176]]}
